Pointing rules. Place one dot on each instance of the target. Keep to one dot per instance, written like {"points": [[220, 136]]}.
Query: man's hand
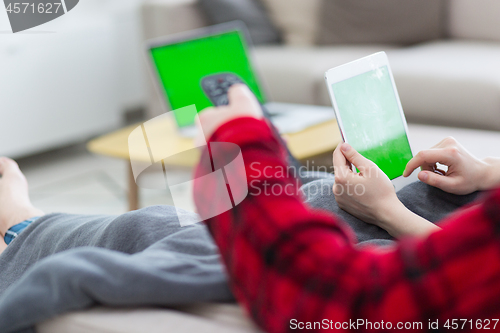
{"points": [[242, 103], [369, 195], [465, 174]]}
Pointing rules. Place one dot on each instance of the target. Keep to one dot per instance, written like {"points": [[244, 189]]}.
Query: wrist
{"points": [[490, 177], [400, 222], [392, 216]]}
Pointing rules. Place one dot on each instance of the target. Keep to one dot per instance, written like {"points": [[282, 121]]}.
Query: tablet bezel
{"points": [[355, 68]]}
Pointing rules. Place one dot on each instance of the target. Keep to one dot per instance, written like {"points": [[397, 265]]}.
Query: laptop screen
{"points": [[182, 65]]}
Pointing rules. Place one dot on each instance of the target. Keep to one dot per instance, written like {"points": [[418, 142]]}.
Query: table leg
{"points": [[133, 190]]}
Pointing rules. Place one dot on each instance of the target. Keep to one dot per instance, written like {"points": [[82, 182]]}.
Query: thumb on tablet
{"points": [[354, 157]]}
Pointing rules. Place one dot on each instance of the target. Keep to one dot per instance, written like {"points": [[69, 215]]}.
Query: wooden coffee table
{"points": [[311, 142]]}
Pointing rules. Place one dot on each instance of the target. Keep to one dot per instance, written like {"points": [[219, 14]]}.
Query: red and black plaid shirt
{"points": [[290, 265]]}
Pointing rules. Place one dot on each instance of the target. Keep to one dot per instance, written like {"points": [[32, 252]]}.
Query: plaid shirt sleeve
{"points": [[289, 264]]}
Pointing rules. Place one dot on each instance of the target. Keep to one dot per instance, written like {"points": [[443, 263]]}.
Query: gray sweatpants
{"points": [[426, 201]]}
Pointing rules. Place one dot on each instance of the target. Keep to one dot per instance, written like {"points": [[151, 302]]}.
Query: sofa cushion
{"points": [[297, 19], [453, 83], [474, 19], [296, 74], [381, 21], [165, 17], [251, 12]]}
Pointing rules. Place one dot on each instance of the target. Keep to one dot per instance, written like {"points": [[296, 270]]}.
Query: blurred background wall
{"points": [[70, 79]]}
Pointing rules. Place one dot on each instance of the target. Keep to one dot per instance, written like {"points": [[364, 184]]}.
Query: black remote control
{"points": [[216, 87]]}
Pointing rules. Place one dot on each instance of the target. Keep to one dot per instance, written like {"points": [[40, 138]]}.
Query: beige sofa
{"points": [[454, 81]]}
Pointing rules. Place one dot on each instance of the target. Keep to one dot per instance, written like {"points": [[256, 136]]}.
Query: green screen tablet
{"points": [[181, 62], [369, 113]]}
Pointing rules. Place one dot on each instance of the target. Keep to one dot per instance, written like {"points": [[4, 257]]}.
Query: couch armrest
{"points": [[130, 320], [164, 17]]}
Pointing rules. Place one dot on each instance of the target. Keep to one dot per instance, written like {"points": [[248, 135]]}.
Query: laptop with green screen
{"points": [[181, 61]]}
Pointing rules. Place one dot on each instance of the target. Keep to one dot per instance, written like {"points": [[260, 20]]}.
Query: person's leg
{"points": [[15, 205], [432, 203], [51, 234], [424, 200], [131, 232], [319, 195]]}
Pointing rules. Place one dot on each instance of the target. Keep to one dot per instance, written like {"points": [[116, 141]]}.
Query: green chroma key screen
{"points": [[372, 121], [182, 65]]}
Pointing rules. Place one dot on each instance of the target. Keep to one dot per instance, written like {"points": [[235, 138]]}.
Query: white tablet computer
{"points": [[369, 112]]}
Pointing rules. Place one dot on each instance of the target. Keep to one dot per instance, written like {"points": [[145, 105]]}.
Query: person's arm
{"points": [[491, 174], [400, 222], [290, 265], [372, 197]]}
